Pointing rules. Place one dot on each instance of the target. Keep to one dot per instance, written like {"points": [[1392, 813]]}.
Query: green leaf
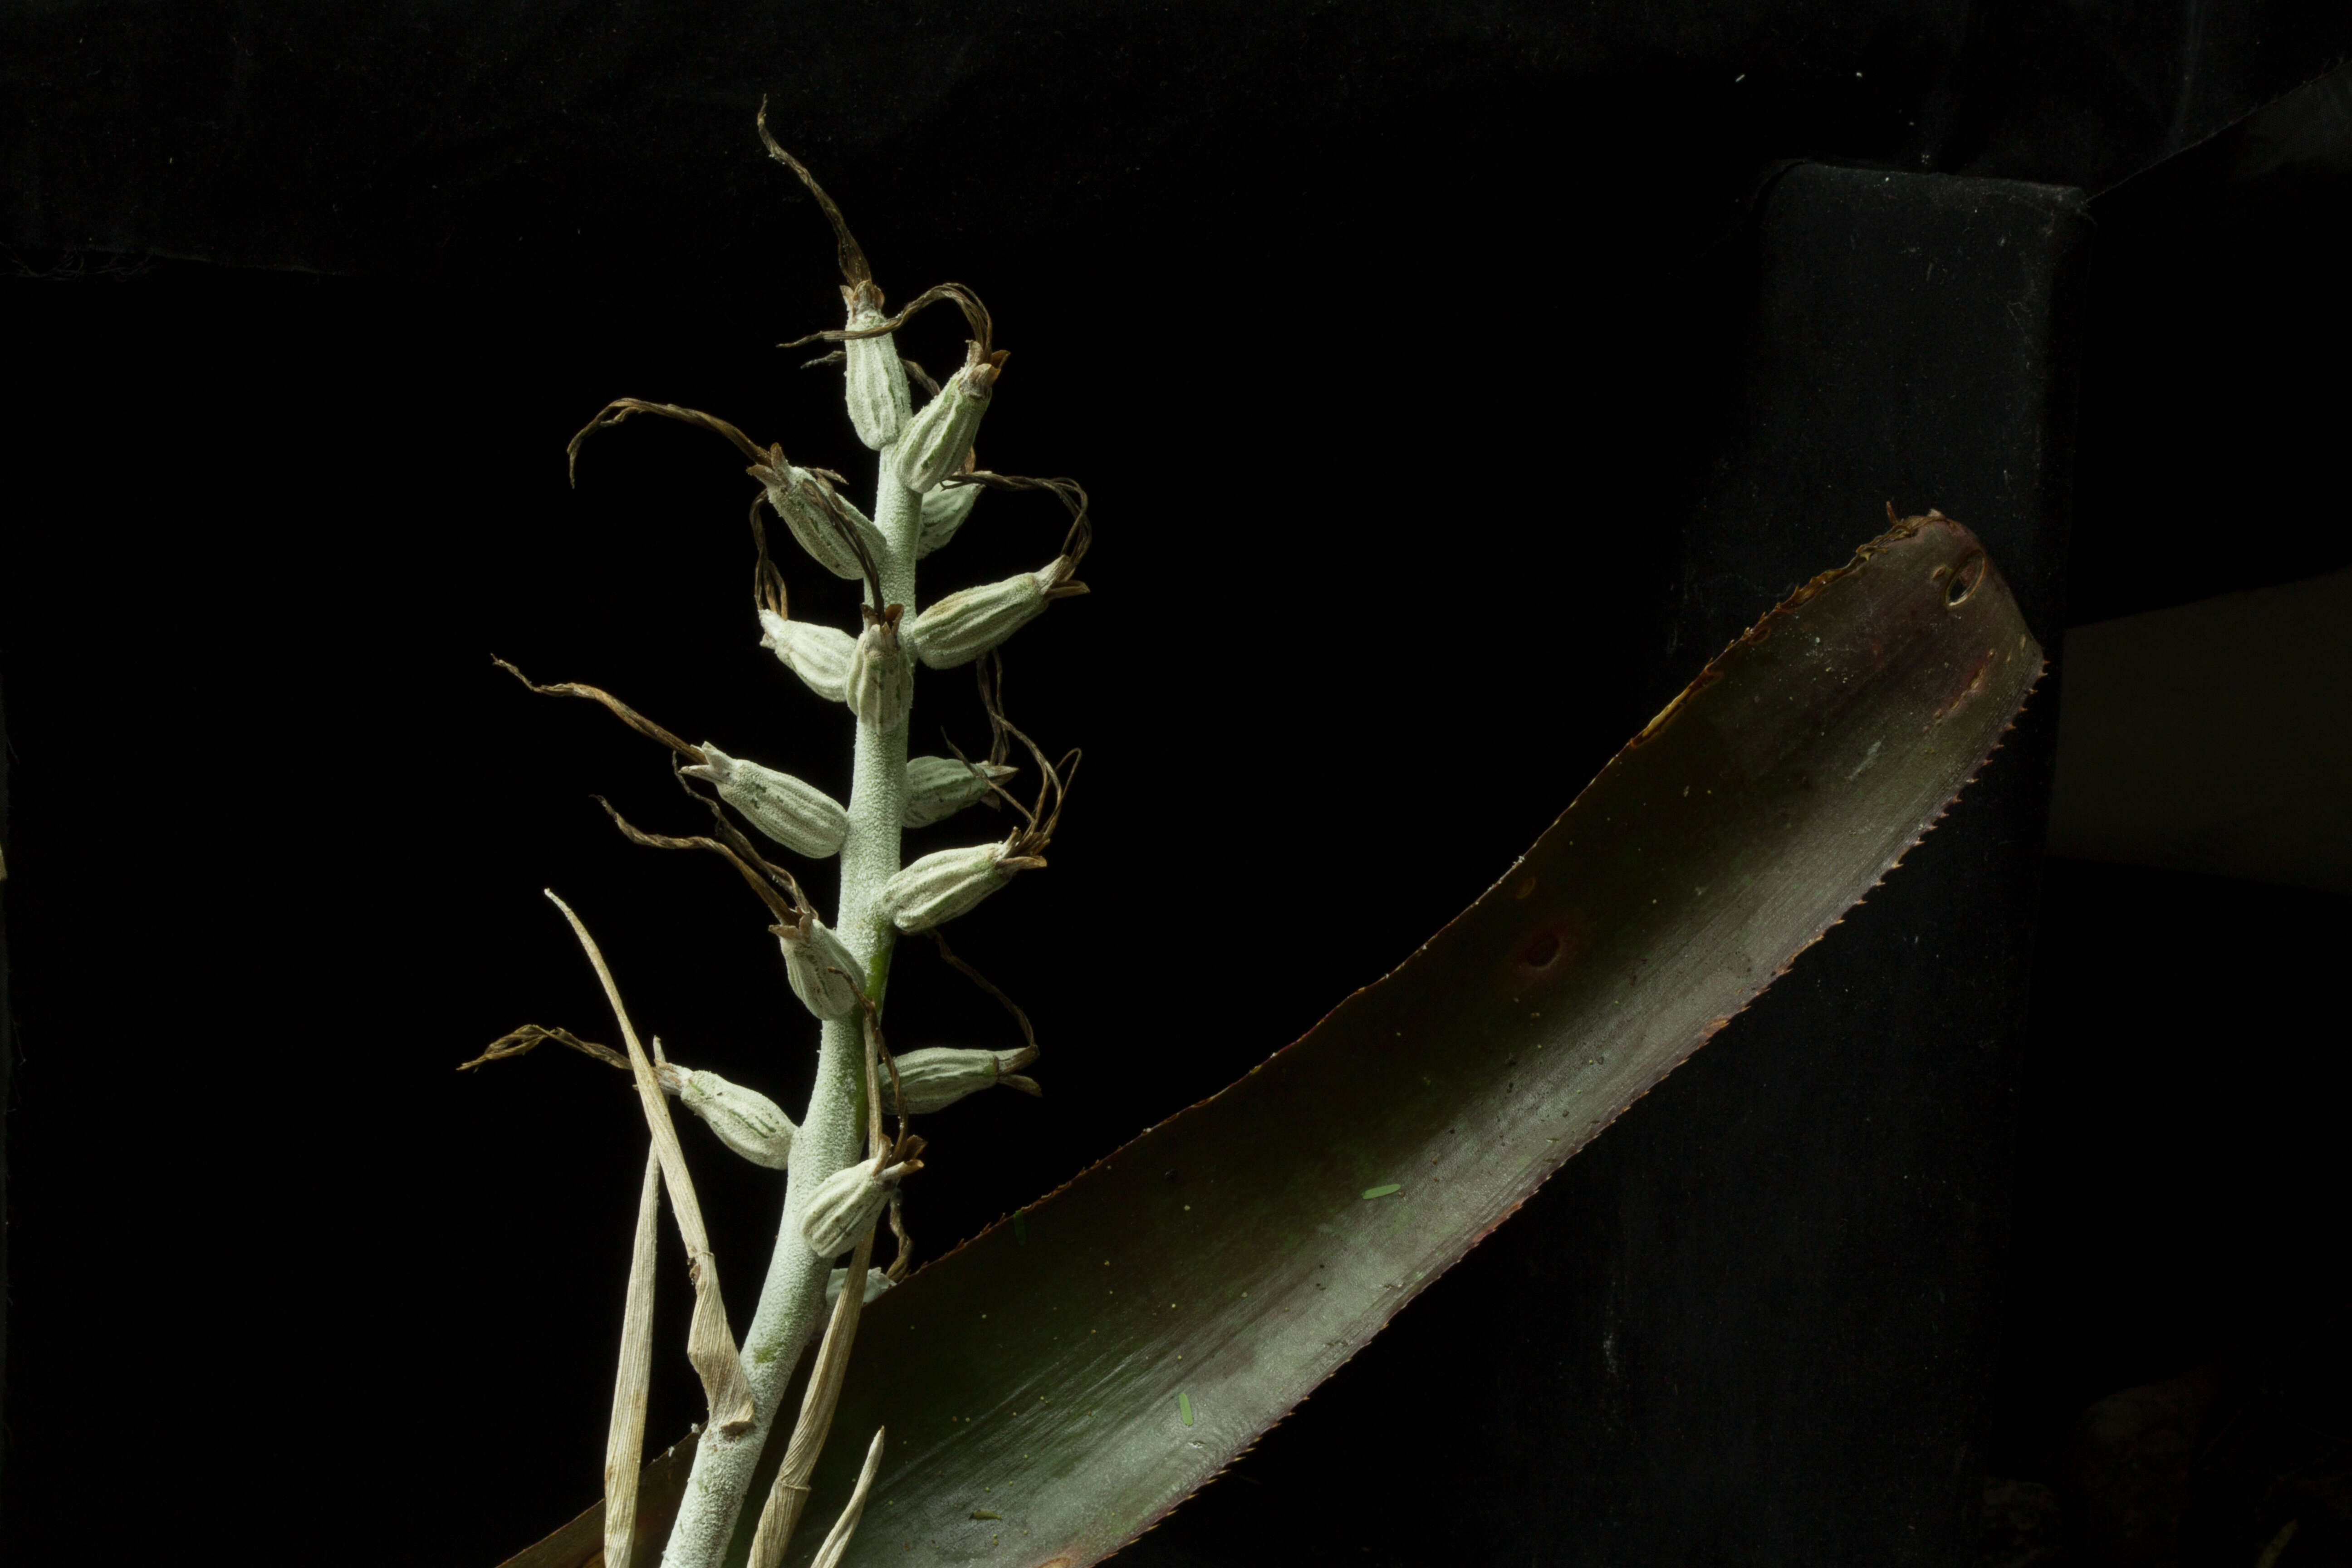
{"points": [[1768, 799]]}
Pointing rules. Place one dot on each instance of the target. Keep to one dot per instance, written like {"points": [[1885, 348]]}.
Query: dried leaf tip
{"points": [[523, 1041], [620, 408], [1069, 492], [624, 1441], [620, 711], [853, 268], [776, 889], [710, 1345]]}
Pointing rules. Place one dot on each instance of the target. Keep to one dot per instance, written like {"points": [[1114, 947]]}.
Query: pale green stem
{"points": [[792, 1301]]}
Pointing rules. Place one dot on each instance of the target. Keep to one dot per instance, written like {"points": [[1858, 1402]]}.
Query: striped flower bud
{"points": [[968, 623], [807, 504], [940, 433], [938, 787], [936, 1079], [944, 511], [879, 401], [876, 1283], [745, 1119], [845, 1202], [795, 815], [824, 974], [879, 684], [818, 655], [937, 888]]}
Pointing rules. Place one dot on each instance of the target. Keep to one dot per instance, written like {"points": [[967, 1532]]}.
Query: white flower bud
{"points": [[879, 684], [824, 973], [968, 623], [745, 1119], [938, 787], [795, 815], [936, 1079], [940, 433], [879, 401], [876, 1283], [845, 1202], [944, 511], [939, 887], [802, 500], [818, 655]]}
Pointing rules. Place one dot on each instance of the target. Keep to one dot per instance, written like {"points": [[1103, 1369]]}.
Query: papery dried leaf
{"points": [[710, 1344], [624, 1441]]}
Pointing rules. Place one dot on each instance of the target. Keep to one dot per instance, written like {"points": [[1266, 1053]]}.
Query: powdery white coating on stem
{"points": [[791, 1298], [789, 1495]]}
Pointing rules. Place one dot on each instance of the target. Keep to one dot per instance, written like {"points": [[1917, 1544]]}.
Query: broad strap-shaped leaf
{"points": [[1075, 1373]]}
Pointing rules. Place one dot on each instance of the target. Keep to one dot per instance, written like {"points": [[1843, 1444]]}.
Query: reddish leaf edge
{"points": [[1707, 676], [577, 1544]]}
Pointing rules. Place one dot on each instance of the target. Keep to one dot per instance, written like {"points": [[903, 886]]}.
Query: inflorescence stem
{"points": [[792, 1300], [927, 481]]}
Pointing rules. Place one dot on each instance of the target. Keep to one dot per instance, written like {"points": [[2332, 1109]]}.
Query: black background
{"points": [[1387, 397]]}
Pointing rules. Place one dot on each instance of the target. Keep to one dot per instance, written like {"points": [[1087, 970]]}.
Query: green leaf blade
{"points": [[1742, 823]]}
